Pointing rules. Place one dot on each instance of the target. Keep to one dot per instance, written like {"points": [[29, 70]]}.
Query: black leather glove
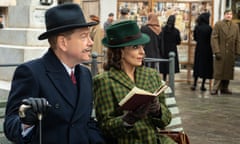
{"points": [[132, 116], [31, 108], [154, 108], [218, 56]]}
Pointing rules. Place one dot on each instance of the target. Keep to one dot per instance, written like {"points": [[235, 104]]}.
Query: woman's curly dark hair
{"points": [[114, 56]]}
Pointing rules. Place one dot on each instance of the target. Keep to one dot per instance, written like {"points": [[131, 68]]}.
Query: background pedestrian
{"points": [[152, 29], [203, 57], [225, 42], [170, 38]]}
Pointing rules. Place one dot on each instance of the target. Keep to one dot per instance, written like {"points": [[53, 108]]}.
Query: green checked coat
{"points": [[109, 88]]}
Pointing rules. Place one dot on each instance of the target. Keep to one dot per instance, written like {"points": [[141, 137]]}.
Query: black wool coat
{"points": [[203, 58], [153, 48], [170, 38]]}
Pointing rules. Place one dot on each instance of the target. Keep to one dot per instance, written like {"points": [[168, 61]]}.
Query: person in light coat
{"points": [[225, 42]]}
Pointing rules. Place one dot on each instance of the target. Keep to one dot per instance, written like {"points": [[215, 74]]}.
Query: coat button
{"points": [[57, 106]]}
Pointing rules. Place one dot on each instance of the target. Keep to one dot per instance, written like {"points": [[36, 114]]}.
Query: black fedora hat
{"points": [[62, 18]]}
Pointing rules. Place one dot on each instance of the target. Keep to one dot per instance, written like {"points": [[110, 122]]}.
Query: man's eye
{"points": [[83, 36]]}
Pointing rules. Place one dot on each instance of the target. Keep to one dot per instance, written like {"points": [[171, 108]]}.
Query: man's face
{"points": [[111, 18], [228, 16], [78, 46]]}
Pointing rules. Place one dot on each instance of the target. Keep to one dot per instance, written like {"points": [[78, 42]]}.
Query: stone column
{"points": [[19, 40]]}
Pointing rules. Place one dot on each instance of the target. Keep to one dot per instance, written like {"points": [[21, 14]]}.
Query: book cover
{"points": [[137, 97]]}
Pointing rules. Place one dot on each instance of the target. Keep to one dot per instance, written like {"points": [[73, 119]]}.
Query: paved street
{"points": [[210, 119]]}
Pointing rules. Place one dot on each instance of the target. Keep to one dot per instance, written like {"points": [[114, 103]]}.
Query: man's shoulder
{"points": [[32, 63], [106, 22]]}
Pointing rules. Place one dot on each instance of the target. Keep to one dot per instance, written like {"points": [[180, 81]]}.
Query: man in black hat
{"points": [[50, 100]]}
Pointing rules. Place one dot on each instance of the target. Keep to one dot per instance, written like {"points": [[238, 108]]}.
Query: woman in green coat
{"points": [[123, 71]]}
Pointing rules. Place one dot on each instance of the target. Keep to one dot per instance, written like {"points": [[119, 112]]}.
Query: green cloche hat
{"points": [[125, 33]]}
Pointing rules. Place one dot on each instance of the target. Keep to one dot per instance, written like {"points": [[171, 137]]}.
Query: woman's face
{"points": [[132, 56]]}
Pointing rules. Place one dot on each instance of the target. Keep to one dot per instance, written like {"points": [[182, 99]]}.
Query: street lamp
{"points": [[46, 2]]}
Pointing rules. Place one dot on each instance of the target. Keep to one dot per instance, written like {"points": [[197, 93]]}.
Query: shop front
{"points": [[186, 12]]}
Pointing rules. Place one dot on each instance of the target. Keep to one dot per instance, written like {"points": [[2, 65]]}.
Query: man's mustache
{"points": [[87, 50]]}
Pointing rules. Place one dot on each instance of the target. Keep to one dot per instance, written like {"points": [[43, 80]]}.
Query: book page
{"points": [[161, 89], [135, 90], [137, 97]]}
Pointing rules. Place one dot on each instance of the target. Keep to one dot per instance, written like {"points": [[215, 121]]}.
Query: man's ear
{"points": [[62, 42]]}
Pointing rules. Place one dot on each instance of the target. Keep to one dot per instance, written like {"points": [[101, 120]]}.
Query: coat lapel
{"points": [[232, 31], [59, 76], [121, 84], [141, 78], [85, 95], [227, 29], [121, 77]]}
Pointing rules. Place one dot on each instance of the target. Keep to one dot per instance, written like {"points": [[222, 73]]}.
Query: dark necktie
{"points": [[73, 77]]}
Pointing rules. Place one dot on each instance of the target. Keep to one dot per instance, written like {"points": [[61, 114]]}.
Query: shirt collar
{"points": [[68, 68]]}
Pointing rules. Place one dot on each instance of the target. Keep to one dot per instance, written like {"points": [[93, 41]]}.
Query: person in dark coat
{"points": [[55, 86], [152, 29], [203, 58], [170, 38]]}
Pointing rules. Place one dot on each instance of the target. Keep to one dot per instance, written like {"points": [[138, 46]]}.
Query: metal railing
{"points": [[94, 62], [171, 61]]}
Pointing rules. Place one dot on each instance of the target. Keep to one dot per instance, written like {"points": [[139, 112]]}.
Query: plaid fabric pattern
{"points": [[109, 88]]}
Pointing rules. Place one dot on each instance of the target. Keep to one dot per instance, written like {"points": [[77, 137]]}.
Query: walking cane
{"points": [[40, 127], [22, 115]]}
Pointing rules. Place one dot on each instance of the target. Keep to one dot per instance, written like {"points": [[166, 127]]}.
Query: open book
{"points": [[137, 97]]}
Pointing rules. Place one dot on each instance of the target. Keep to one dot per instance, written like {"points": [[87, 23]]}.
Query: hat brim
{"points": [[63, 29], [140, 41]]}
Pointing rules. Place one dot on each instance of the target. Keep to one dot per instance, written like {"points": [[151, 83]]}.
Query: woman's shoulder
{"points": [[101, 79], [149, 70], [100, 76], [149, 74]]}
